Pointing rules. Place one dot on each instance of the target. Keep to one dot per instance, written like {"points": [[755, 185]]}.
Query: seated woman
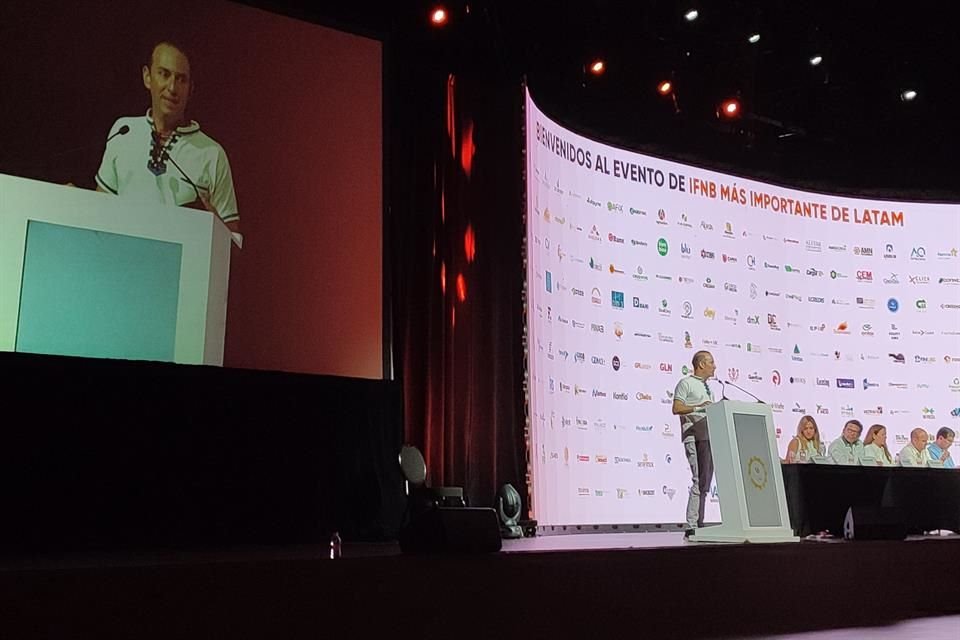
{"points": [[875, 445], [806, 444]]}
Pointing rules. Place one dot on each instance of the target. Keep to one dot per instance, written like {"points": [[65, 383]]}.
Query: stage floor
{"points": [[650, 585], [580, 542]]}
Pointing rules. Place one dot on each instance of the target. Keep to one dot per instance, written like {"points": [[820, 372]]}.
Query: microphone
{"points": [[165, 155], [723, 386], [122, 131], [745, 391]]}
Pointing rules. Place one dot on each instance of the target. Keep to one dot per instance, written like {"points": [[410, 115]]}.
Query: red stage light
{"points": [[665, 88], [438, 17], [597, 67], [730, 108], [461, 288], [469, 244]]}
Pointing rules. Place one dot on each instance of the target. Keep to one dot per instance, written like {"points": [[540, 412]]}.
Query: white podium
{"points": [[753, 506], [91, 274]]}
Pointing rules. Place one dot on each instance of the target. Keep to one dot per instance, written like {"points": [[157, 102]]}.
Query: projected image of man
{"points": [[691, 398], [164, 157]]}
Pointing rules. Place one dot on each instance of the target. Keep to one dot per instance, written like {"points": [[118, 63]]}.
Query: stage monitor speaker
{"points": [[874, 523], [452, 530]]}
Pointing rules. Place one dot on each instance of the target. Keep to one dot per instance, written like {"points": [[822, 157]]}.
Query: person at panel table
{"points": [[915, 452], [875, 445], [848, 449], [806, 444], [164, 157], [940, 448], [690, 399]]}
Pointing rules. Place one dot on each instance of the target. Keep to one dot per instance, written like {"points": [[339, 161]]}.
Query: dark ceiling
{"points": [[841, 123]]}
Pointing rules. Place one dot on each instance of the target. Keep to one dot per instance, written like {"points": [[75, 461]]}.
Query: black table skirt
{"points": [[818, 496]]}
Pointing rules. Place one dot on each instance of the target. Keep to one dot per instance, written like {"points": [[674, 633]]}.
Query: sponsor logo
{"points": [[918, 253], [869, 385], [615, 363], [707, 255], [614, 239], [598, 361], [637, 304], [639, 276], [863, 251], [616, 299], [729, 259], [730, 287], [893, 305], [846, 383], [771, 266], [596, 297], [823, 382], [951, 281], [751, 262], [814, 246], [888, 252], [594, 233], [815, 299], [864, 276], [919, 279], [708, 284], [662, 247]]}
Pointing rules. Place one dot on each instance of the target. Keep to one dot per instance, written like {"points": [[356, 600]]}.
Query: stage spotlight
{"points": [[754, 38], [730, 108], [597, 67], [908, 95], [438, 17], [815, 60], [691, 15], [665, 88], [508, 509]]}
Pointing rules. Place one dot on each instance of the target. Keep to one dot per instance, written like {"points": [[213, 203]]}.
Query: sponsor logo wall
{"points": [[821, 305]]}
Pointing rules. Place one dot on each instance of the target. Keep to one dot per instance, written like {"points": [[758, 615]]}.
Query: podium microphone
{"points": [[122, 131], [745, 391], [723, 386], [165, 155]]}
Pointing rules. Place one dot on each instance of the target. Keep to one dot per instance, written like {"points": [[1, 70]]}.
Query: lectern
{"points": [[91, 274], [753, 506]]}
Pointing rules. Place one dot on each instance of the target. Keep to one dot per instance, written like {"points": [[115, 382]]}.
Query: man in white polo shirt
{"points": [[915, 454], [164, 157], [690, 400]]}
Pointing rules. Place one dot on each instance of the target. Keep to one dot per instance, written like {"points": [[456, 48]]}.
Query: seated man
{"points": [[848, 449], [915, 453], [940, 448]]}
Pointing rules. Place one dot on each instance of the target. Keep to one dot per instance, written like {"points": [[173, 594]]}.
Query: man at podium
{"points": [[690, 400], [164, 157]]}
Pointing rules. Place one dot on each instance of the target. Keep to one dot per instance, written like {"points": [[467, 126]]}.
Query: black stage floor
{"points": [[647, 585]]}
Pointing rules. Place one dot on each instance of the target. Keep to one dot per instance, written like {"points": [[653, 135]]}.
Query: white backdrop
{"points": [[823, 305]]}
